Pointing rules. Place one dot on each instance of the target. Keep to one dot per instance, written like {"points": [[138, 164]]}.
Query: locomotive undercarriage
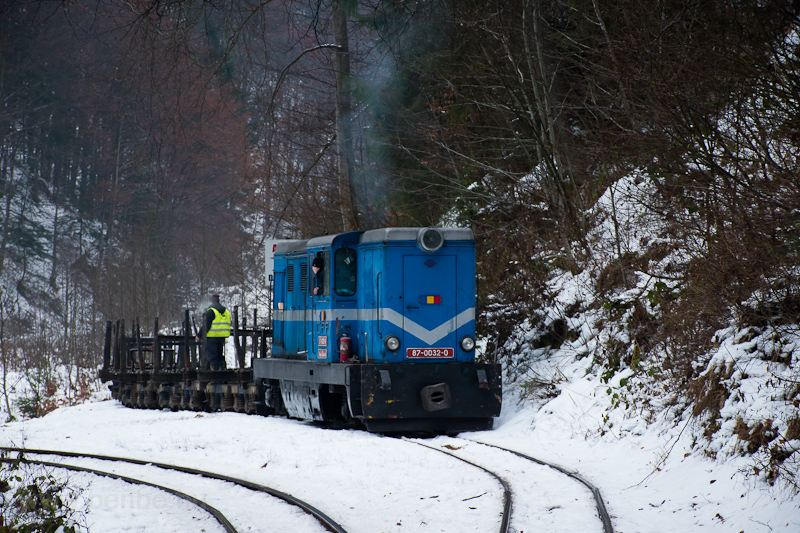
{"points": [[169, 372], [194, 391], [386, 397]]}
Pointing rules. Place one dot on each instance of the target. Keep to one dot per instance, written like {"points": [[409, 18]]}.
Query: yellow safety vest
{"points": [[221, 326]]}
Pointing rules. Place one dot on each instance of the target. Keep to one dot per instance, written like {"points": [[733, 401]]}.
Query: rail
{"points": [[327, 522], [218, 516]]}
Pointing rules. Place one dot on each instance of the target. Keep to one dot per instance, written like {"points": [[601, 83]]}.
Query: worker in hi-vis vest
{"points": [[217, 328]]}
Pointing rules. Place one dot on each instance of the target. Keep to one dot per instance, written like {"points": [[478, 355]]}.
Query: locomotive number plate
{"points": [[418, 353]]}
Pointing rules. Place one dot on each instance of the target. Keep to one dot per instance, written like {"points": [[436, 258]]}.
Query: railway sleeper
{"points": [[176, 397], [228, 395], [239, 399], [197, 400], [212, 402], [125, 395], [164, 395], [150, 396], [136, 395], [255, 400], [186, 396]]}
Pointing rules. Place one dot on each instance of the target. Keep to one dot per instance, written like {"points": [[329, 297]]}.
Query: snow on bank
{"points": [[658, 468], [599, 405], [29, 393], [364, 481], [650, 477], [653, 479]]}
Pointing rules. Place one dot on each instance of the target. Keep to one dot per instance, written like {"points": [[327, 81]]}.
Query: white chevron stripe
{"points": [[387, 314]]}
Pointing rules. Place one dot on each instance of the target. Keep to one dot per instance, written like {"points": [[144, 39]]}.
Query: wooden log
{"points": [[237, 347], [107, 347], [115, 350], [187, 338], [139, 347], [123, 348], [156, 348]]}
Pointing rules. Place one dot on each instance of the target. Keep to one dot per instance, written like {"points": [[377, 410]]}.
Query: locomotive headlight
{"points": [[392, 343], [429, 239], [467, 344]]}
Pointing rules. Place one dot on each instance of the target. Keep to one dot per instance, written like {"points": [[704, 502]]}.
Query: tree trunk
{"points": [[344, 138]]}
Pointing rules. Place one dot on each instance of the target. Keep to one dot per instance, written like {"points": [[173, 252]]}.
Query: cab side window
{"points": [[318, 274], [344, 272]]}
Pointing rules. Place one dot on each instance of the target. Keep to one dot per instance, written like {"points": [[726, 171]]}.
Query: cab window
{"points": [[344, 272], [321, 280]]}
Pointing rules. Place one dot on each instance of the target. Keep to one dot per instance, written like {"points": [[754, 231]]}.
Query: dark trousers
{"points": [[214, 346]]}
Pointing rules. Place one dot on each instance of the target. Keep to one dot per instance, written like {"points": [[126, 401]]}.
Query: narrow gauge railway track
{"points": [[598, 498], [218, 516], [506, 516], [508, 494], [327, 522]]}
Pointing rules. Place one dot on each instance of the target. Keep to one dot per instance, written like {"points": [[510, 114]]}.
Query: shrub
{"points": [[32, 500]]}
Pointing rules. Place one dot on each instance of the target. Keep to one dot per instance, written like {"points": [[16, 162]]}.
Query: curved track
{"points": [[224, 522], [508, 493], [327, 522], [598, 498]]}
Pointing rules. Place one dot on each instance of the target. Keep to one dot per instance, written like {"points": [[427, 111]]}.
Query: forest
{"points": [[148, 147]]}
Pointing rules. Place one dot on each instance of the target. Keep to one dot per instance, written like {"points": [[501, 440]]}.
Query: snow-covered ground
{"points": [[659, 467], [650, 478]]}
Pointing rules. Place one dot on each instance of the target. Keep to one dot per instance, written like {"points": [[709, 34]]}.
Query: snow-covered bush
{"points": [[639, 321], [33, 500]]}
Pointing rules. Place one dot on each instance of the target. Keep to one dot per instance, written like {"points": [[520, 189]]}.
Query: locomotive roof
{"points": [[326, 240], [283, 247], [375, 235], [410, 234]]}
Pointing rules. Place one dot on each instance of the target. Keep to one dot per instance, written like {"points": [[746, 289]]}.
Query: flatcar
{"points": [[381, 335]]}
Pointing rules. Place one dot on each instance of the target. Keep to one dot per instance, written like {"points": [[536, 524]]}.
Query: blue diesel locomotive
{"points": [[372, 329], [388, 341]]}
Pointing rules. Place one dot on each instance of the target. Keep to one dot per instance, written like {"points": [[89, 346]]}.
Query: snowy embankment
{"points": [[662, 463], [365, 482], [723, 458], [652, 477]]}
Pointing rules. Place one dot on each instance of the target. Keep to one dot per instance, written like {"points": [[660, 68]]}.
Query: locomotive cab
{"points": [[387, 339], [423, 298], [337, 296]]}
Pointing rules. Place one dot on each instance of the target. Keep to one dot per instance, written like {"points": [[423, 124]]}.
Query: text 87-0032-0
{"points": [[429, 352]]}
